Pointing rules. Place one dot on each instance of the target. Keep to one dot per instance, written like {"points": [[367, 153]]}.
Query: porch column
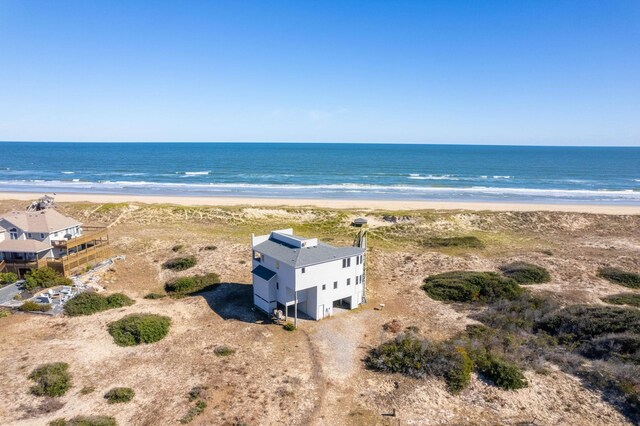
{"points": [[295, 308]]}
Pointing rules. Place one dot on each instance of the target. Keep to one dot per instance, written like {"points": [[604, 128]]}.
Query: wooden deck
{"points": [[91, 247]]}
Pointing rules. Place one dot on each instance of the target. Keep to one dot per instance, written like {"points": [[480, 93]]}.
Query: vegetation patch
{"points": [[618, 276], [154, 296], [194, 411], [87, 390], [183, 286], [177, 248], [31, 306], [119, 395], [502, 373], [89, 303], [393, 326], [210, 248], [467, 286], [85, 421], [44, 278], [408, 355], [224, 351], [289, 326], [51, 379], [139, 328], [631, 299], [526, 273], [8, 278], [580, 323], [454, 242], [180, 263], [4, 313]]}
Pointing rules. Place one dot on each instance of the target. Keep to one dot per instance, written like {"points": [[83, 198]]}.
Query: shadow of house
{"points": [[233, 301]]}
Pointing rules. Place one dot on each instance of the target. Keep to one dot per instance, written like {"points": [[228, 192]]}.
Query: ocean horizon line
{"points": [[474, 144]]}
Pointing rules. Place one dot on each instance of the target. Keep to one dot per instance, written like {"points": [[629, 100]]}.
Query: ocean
{"points": [[595, 175]]}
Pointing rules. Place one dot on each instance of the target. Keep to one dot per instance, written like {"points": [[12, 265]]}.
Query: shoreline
{"points": [[326, 203]]}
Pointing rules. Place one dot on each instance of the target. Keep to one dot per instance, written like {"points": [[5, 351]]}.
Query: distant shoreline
{"points": [[327, 203]]}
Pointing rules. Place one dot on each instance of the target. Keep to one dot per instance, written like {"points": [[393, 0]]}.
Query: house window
{"points": [[335, 284], [277, 285], [41, 235], [348, 281], [357, 260], [303, 270], [344, 263], [324, 286], [13, 233], [348, 261], [277, 264]]}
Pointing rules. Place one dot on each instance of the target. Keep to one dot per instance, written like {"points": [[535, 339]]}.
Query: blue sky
{"points": [[503, 72]]}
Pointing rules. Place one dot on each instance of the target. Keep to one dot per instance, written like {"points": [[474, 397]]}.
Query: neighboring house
{"points": [[305, 274], [33, 239]]}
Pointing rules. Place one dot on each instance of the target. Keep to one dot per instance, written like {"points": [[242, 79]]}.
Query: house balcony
{"points": [[91, 236]]}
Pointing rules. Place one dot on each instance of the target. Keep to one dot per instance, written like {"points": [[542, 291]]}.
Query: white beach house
{"points": [[33, 239], [305, 275]]}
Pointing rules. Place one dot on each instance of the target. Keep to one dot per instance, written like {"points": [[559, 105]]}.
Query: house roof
{"points": [[264, 273], [305, 256], [24, 246], [45, 221]]}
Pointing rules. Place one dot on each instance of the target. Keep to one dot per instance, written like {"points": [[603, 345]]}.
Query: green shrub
{"points": [[85, 421], [51, 379], [466, 286], [453, 242], [8, 278], [177, 248], [153, 296], [44, 278], [526, 273], [289, 326], [119, 395], [413, 357], [618, 276], [88, 303], [180, 263], [210, 248], [31, 306], [579, 323], [630, 299], [502, 373], [139, 328], [4, 313], [224, 351], [182, 286], [458, 374]]}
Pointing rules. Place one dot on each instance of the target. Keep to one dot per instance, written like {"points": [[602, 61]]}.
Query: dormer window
{"points": [[13, 233], [42, 236]]}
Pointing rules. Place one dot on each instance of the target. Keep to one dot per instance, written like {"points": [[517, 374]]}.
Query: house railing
{"points": [[66, 264], [90, 235], [15, 265], [2, 265]]}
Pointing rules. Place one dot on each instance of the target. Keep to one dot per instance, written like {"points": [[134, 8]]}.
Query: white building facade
{"points": [[298, 274]]}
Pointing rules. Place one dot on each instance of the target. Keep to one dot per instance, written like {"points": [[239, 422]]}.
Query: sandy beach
{"points": [[328, 203]]}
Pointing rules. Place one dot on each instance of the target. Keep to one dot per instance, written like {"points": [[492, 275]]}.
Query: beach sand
{"points": [[328, 203], [315, 375]]}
